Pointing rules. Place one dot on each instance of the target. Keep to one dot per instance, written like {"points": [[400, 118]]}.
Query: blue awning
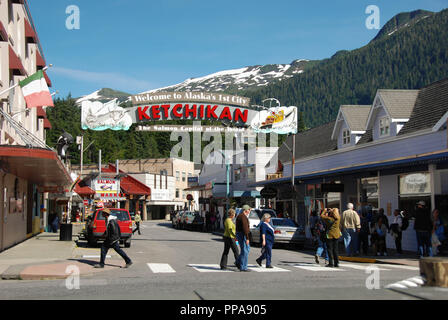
{"points": [[246, 194], [394, 163]]}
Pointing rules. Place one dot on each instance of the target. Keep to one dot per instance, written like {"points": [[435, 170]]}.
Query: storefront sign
{"points": [[415, 183], [188, 106], [268, 193], [106, 186], [160, 195]]}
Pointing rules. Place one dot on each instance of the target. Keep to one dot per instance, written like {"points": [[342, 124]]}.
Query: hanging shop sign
{"points": [[106, 186], [150, 107], [268, 193]]}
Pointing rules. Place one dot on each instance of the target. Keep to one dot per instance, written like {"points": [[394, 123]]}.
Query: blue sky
{"points": [[140, 45]]}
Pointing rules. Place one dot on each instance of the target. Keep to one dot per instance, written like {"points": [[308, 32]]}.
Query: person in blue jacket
{"points": [[266, 240]]}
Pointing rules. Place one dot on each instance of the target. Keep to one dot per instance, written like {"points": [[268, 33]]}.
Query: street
{"points": [[174, 264]]}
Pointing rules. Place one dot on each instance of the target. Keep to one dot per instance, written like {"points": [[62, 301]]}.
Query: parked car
{"points": [[255, 215], [286, 231], [192, 220], [96, 226], [176, 219]]}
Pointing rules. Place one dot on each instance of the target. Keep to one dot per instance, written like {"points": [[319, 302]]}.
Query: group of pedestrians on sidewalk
{"points": [[238, 234], [357, 227]]}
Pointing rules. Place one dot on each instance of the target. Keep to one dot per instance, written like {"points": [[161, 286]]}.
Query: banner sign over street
{"points": [[188, 106]]}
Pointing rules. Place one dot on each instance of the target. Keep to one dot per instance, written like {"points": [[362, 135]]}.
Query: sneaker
{"points": [[316, 258], [258, 261], [128, 264], [269, 267], [99, 265], [223, 268], [329, 266], [246, 270]]}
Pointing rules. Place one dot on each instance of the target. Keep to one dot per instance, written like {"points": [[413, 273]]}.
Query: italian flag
{"points": [[35, 91]]}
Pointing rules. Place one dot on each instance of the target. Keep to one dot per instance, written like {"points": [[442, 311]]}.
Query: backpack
{"points": [[404, 221]]}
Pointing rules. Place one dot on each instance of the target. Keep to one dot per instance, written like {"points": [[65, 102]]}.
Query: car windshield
{"points": [[270, 211], [283, 223], [254, 215], [120, 214]]}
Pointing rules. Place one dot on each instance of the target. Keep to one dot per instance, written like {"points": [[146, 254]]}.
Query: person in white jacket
{"points": [[395, 230]]}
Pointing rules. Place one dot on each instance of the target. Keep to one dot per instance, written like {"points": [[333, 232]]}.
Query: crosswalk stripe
{"points": [[208, 268], [311, 267], [160, 268], [408, 283], [263, 269], [400, 266], [358, 267]]}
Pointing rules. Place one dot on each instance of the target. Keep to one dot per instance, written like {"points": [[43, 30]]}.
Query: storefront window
{"points": [[413, 188], [369, 191]]}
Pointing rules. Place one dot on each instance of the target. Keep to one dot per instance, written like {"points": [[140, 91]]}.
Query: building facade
{"points": [[29, 168], [389, 155]]}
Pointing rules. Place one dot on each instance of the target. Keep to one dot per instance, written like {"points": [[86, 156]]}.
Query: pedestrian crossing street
{"points": [[284, 267]]}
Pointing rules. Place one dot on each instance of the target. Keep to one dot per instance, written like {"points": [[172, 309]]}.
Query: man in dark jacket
{"points": [[112, 239], [242, 234], [423, 228]]}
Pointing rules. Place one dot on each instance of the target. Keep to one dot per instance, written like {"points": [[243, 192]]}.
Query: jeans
{"points": [[363, 243], [333, 252], [116, 246], [245, 248], [350, 239], [398, 242], [267, 254], [137, 224], [424, 243], [229, 243], [322, 248]]}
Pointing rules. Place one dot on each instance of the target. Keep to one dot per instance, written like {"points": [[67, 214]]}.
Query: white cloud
{"points": [[105, 79]]}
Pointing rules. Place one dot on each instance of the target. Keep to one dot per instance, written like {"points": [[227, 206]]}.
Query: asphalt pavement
{"points": [[174, 264]]}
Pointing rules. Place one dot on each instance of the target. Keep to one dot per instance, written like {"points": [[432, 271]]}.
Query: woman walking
{"points": [[332, 219], [266, 240], [229, 240], [319, 233]]}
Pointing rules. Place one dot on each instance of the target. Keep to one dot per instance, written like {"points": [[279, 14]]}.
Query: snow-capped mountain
{"points": [[104, 95], [230, 81], [235, 80]]}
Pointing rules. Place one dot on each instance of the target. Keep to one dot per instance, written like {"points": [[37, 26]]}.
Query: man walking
{"points": [[242, 234], [351, 225], [112, 239], [423, 228], [137, 220]]}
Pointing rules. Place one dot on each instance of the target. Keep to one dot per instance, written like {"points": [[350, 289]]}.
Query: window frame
{"points": [[384, 123]]}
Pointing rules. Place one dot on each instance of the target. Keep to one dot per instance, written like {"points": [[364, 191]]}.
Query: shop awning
{"points": [[40, 62], [39, 166], [41, 112], [83, 191], [246, 194], [128, 184], [29, 32], [3, 33], [47, 124], [47, 79], [432, 157], [15, 63]]}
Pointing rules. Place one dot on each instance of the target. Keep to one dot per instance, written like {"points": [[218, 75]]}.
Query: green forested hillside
{"points": [[66, 115], [410, 58]]}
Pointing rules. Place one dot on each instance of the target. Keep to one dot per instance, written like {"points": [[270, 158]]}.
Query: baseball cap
{"points": [[106, 211], [246, 207]]}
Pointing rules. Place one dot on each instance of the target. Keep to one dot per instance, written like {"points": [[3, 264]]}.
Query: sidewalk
{"points": [[408, 258], [46, 257]]}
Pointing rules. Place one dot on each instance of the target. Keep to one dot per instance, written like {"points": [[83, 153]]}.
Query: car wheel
{"points": [[127, 243]]}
